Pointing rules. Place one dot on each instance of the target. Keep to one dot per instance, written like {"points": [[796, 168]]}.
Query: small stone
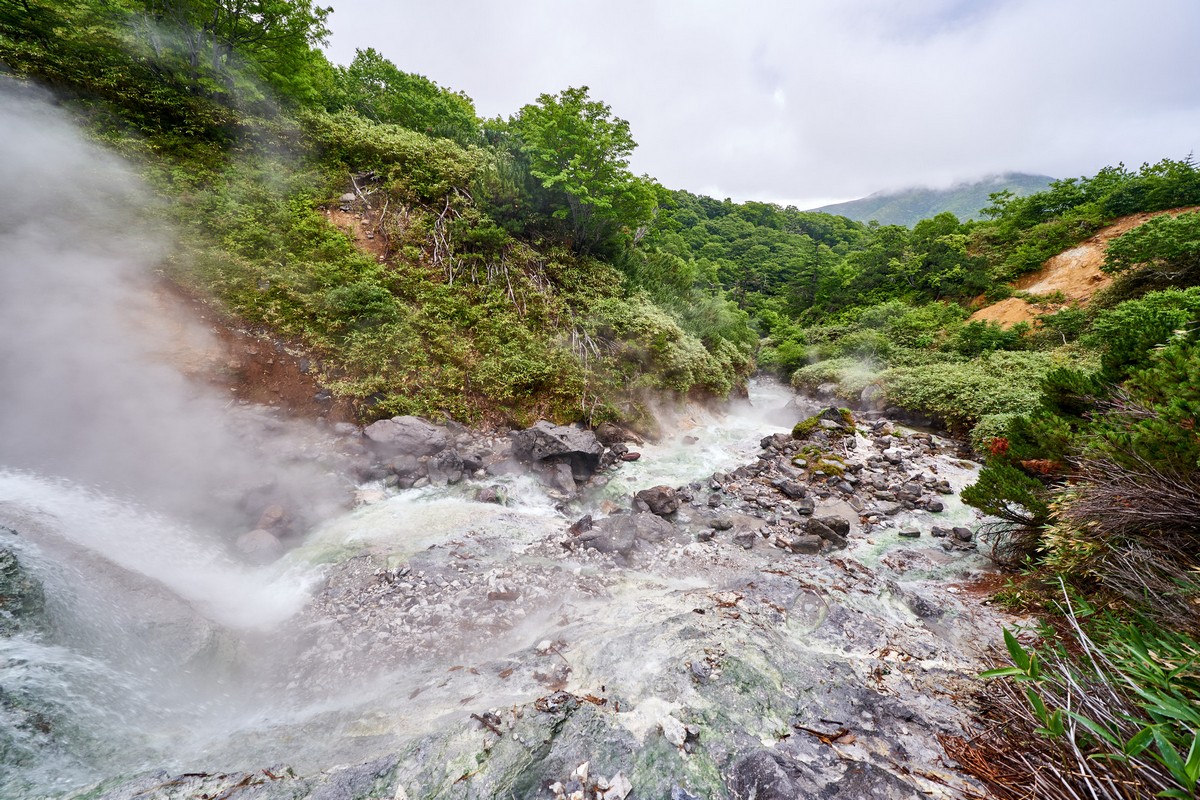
{"points": [[619, 787], [544, 646], [939, 532], [581, 772], [910, 534], [935, 506], [673, 730], [705, 535], [744, 539], [722, 523], [630, 456], [963, 534]]}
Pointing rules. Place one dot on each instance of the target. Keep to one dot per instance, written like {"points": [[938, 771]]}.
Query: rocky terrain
{"points": [[804, 625]]}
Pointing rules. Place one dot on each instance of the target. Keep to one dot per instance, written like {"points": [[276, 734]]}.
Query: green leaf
{"points": [[1140, 741], [1016, 651], [1002, 672]]}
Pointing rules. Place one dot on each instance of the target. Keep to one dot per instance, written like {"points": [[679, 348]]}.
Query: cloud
{"points": [[768, 100]]}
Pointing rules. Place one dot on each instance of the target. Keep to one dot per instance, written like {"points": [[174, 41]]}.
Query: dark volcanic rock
{"points": [[546, 442], [769, 775], [660, 500]]}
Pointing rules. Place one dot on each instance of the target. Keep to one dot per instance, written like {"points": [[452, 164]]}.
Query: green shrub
{"points": [[963, 393], [850, 374], [1126, 334]]}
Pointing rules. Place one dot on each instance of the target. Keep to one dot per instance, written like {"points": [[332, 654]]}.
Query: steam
{"points": [[85, 391]]}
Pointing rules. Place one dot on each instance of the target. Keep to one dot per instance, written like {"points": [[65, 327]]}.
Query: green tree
{"points": [[1167, 249], [212, 39], [580, 152], [378, 90]]}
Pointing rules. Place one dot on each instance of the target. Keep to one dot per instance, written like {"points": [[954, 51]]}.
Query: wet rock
{"points": [[660, 500], [407, 434], [546, 441], [620, 534], [935, 506], [581, 525], [909, 533], [792, 489], [630, 456], [963, 534], [745, 539], [491, 494], [259, 546], [559, 476], [939, 532], [803, 544], [770, 775], [446, 467], [610, 434], [22, 600]]}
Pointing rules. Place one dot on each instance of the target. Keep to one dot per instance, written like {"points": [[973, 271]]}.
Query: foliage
{"points": [[850, 374], [962, 393], [1118, 719], [1166, 248], [375, 88], [1126, 335], [580, 152]]}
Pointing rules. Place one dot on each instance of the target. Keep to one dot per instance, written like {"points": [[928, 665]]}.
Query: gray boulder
{"points": [[622, 533], [546, 442], [409, 435]]}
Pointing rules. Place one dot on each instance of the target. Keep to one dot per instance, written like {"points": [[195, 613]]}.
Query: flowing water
{"points": [[148, 658]]}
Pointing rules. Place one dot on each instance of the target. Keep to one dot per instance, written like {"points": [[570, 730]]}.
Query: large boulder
{"points": [[621, 534], [408, 435], [548, 443]]}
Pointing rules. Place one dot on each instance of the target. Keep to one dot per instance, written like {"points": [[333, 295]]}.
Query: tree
{"points": [[378, 90], [580, 152], [275, 37]]}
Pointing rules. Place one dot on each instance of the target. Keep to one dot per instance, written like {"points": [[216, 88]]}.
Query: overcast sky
{"points": [[813, 101]]}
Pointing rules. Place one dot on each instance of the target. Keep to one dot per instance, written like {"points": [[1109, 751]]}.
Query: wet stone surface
{"points": [[771, 635]]}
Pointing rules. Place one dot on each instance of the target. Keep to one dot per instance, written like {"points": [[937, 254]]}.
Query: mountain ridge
{"points": [[909, 206]]}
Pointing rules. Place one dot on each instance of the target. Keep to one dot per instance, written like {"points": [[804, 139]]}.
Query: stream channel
{"points": [[422, 644]]}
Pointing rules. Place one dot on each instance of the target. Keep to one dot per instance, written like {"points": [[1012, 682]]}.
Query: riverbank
{"points": [[758, 636]]}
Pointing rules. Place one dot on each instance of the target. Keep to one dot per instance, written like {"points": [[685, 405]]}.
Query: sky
{"points": [[815, 101]]}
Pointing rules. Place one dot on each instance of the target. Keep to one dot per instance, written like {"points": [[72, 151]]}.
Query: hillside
{"points": [[909, 206], [1070, 278]]}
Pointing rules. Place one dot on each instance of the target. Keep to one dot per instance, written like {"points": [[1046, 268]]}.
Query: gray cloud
{"points": [[817, 100]]}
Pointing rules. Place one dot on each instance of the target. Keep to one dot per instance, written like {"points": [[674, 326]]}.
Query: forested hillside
{"points": [[502, 270], [511, 268]]}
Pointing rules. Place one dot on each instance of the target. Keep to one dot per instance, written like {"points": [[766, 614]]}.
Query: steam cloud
{"points": [[85, 393]]}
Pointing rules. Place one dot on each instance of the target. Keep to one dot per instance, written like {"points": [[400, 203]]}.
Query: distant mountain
{"points": [[909, 206]]}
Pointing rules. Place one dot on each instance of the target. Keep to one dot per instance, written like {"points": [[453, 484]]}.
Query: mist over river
{"points": [[413, 643]]}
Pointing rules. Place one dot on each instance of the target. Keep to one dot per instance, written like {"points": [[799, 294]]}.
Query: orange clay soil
{"points": [[1075, 273]]}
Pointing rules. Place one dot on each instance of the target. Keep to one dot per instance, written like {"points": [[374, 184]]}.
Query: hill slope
{"points": [[1074, 274], [909, 206]]}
